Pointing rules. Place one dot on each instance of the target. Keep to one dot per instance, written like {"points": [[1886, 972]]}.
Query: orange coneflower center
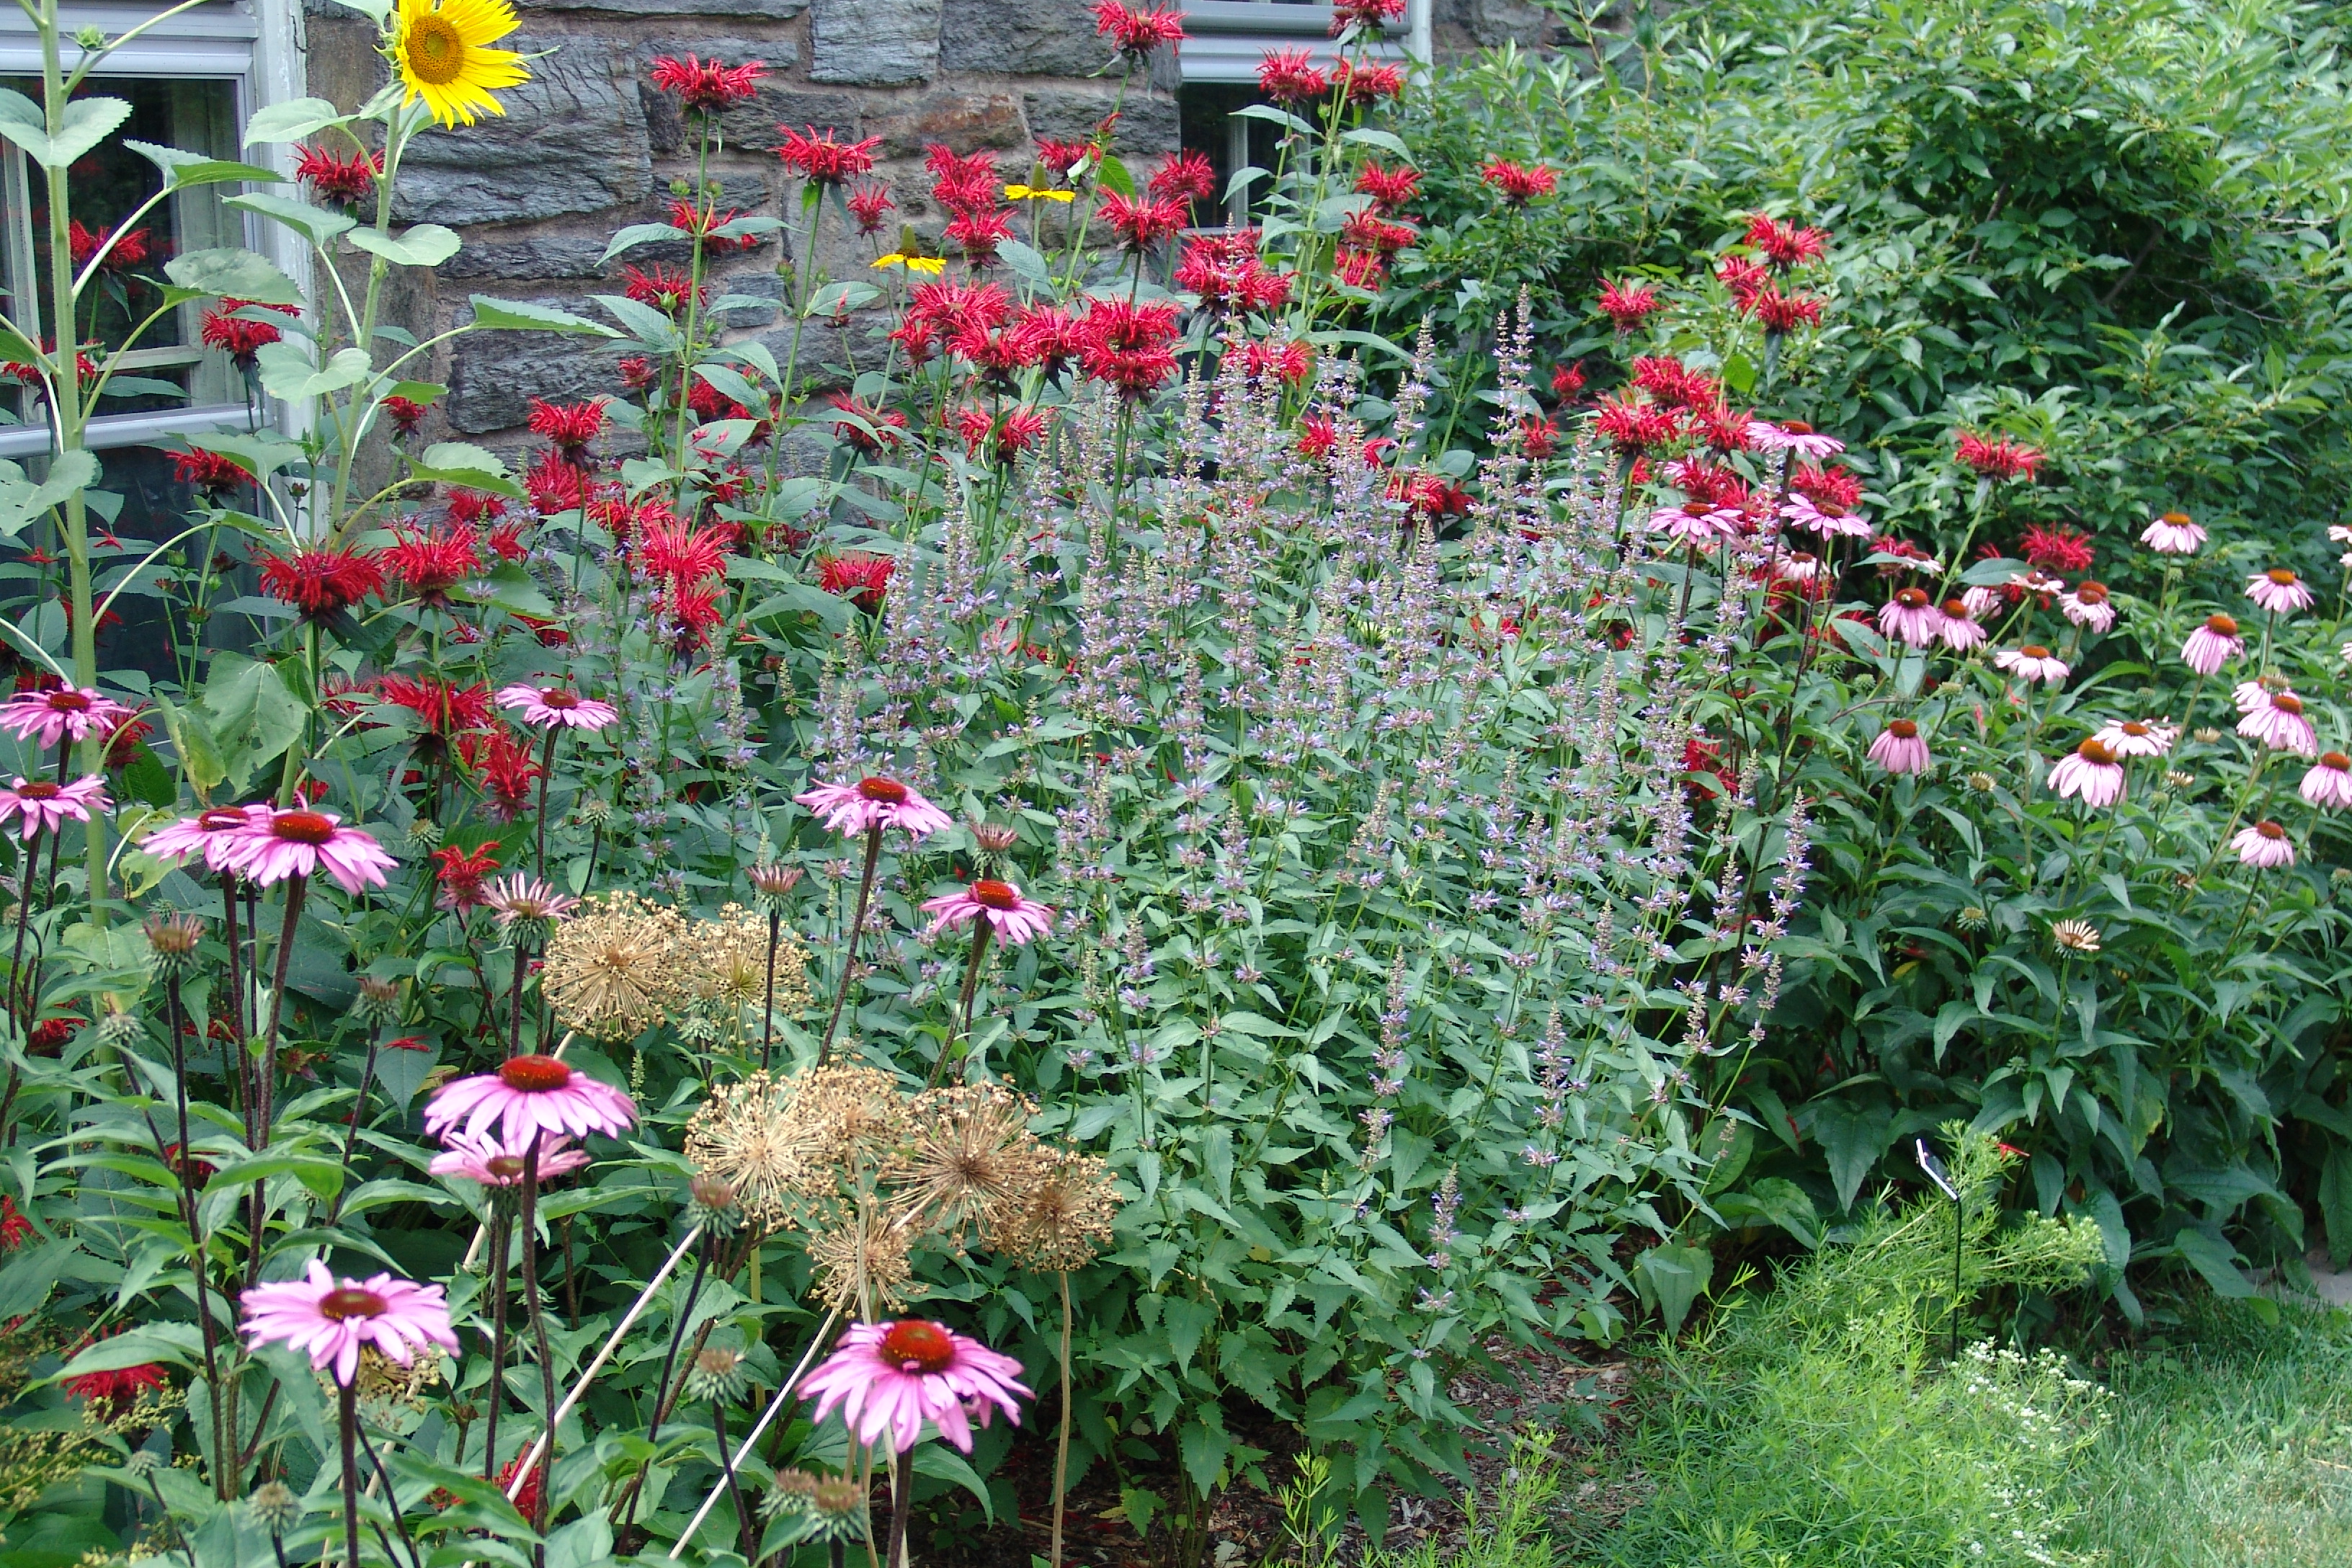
{"points": [[1696, 508], [220, 820], [69, 702], [507, 1167], [1903, 730], [2287, 702], [915, 1345], [436, 51], [302, 827], [2270, 830], [38, 789], [1911, 598], [2336, 760], [2135, 728], [2095, 752], [995, 895], [1828, 509], [2034, 650], [2178, 518], [533, 1073], [2092, 594], [1956, 610], [350, 1302], [891, 791], [2282, 576], [2222, 626], [1795, 428], [559, 697]]}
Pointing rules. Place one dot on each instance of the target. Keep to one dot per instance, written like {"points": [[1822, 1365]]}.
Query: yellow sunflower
{"points": [[440, 51]]}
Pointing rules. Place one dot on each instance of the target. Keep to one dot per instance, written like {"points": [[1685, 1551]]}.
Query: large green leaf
{"points": [[234, 275], [516, 315], [184, 169], [316, 224], [22, 503], [426, 245], [291, 121], [287, 370], [1670, 1278], [86, 123]]}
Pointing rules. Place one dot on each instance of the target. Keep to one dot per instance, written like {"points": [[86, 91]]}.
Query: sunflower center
{"points": [[1911, 598], [1903, 730], [2095, 752], [534, 1074], [2281, 575], [995, 895], [2270, 830], [436, 50], [559, 699], [507, 1167], [38, 789], [2034, 650], [889, 791], [302, 827], [917, 1346], [350, 1302], [2288, 702], [2222, 626]]}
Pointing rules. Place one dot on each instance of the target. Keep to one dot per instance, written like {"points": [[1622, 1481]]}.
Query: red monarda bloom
{"points": [[1568, 382], [1189, 176], [1823, 485], [129, 248], [2056, 550], [1743, 279], [871, 204], [1286, 360], [1225, 270], [1786, 244], [704, 222], [1361, 83], [1366, 14], [1633, 427], [1369, 231], [553, 485], [1674, 383], [240, 338], [1783, 313], [1538, 438], [946, 309], [505, 768], [336, 177], [880, 428], [321, 583], [209, 472], [1999, 458], [962, 183], [707, 88], [461, 872], [1005, 439], [406, 413], [977, 234], [857, 577], [674, 550], [1140, 224], [1137, 33], [1127, 344], [570, 426], [1519, 183], [663, 289], [443, 709], [1628, 304], [1365, 270], [1289, 76], [1388, 188], [432, 563], [820, 156]]}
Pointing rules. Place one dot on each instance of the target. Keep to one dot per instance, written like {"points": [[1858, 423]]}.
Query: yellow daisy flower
{"points": [[440, 50]]}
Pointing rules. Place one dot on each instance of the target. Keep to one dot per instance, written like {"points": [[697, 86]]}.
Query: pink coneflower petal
{"points": [[43, 805], [2328, 784], [557, 706], [212, 833], [300, 843], [2265, 845], [2212, 645], [2279, 592], [2279, 724], [1014, 918], [891, 1377], [64, 713], [2091, 772], [1900, 748], [851, 810], [2173, 534], [496, 1164], [330, 1320], [2032, 663], [527, 1097]]}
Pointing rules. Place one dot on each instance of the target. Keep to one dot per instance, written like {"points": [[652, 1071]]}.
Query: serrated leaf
{"points": [[316, 224], [287, 370], [636, 234], [233, 274], [22, 503], [86, 123], [292, 120], [426, 245], [464, 455], [515, 315], [184, 169]]}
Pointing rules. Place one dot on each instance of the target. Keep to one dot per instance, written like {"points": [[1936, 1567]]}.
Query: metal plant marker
{"points": [[1943, 1180]]}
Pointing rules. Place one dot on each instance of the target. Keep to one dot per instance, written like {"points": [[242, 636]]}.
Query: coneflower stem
{"points": [[348, 1400], [514, 998], [494, 1277], [982, 931], [28, 858], [351, 1137], [743, 1535], [768, 1014], [530, 1219], [1062, 1438], [856, 930], [546, 767], [198, 1264], [297, 887], [902, 1497]]}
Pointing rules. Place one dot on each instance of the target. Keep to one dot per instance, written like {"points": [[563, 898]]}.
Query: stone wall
{"points": [[589, 145]]}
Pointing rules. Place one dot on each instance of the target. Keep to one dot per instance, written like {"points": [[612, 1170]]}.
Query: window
{"points": [[1223, 43], [191, 82]]}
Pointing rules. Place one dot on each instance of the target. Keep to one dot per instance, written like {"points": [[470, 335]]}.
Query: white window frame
{"points": [[258, 47]]}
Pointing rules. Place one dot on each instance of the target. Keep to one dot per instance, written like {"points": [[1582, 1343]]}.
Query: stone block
{"points": [[765, 285], [493, 376], [1147, 124], [766, 10], [875, 43], [965, 121], [825, 348], [1022, 37], [527, 260], [572, 140]]}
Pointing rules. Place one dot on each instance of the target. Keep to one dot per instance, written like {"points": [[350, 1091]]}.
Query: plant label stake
{"points": [[1943, 1180]]}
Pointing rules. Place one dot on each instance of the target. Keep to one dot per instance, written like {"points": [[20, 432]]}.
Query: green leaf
{"points": [[261, 453], [232, 274], [292, 120], [22, 503], [1114, 177], [637, 233], [86, 123], [2216, 1261], [30, 1276], [200, 755], [515, 315], [287, 370], [1670, 1277], [1852, 1137], [2336, 1202], [179, 1344], [465, 455], [942, 1463], [316, 224], [184, 169], [426, 245]]}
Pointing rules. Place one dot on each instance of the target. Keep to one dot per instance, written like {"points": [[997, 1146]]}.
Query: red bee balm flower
{"points": [[870, 205], [1367, 14], [857, 577], [1786, 244], [1288, 76], [433, 564], [1785, 313], [321, 583], [239, 338], [208, 471], [1636, 427], [571, 425], [2056, 549], [1388, 188], [820, 156], [707, 88], [1628, 304], [334, 177], [460, 873], [406, 413], [1363, 83], [1187, 177], [1140, 224], [1999, 458], [1521, 184], [1137, 33]]}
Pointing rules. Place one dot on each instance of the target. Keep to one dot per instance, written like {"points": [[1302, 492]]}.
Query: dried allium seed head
{"points": [[864, 1263], [726, 965], [386, 1382], [749, 1138], [970, 1161], [1064, 1220], [613, 969], [857, 1116]]}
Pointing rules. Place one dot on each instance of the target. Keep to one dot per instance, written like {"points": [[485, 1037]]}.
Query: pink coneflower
{"points": [[1911, 615], [1830, 518], [2091, 771], [1015, 919], [2032, 663], [212, 833], [2173, 534], [2279, 591], [894, 1376], [1959, 629], [298, 843], [2279, 724], [2088, 605], [331, 1320], [2328, 784], [2131, 738], [519, 897], [2265, 845], [2212, 645], [552, 707], [2249, 695], [528, 1096], [1900, 748], [851, 809], [1793, 436], [1696, 523], [481, 1158], [46, 806], [66, 713]]}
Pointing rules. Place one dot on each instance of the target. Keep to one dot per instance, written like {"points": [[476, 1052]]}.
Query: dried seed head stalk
{"points": [[613, 969], [863, 1263], [750, 1141], [1062, 1221], [725, 968], [969, 1160]]}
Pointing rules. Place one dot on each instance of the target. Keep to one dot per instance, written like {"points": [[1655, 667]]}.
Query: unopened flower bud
{"points": [[994, 837], [718, 1374], [774, 881], [90, 37], [424, 833], [379, 1002], [173, 938], [274, 1506], [711, 1193]]}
